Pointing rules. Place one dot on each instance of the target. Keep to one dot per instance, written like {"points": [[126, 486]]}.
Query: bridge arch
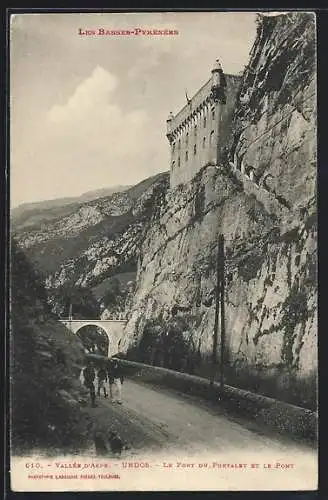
{"points": [[114, 330], [79, 332]]}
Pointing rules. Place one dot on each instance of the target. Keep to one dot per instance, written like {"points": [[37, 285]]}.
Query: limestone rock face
{"points": [[96, 240], [262, 199], [274, 132]]}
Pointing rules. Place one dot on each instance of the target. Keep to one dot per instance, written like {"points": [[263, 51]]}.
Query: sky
{"points": [[88, 112]]}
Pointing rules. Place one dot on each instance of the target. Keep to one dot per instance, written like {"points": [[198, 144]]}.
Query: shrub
{"points": [[45, 364]]}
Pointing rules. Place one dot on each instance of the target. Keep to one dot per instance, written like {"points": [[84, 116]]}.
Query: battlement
{"points": [[201, 95]]}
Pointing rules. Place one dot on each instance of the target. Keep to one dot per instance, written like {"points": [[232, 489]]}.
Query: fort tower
{"points": [[199, 131]]}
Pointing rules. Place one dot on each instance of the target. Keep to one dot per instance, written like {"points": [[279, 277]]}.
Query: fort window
{"points": [[178, 162], [213, 114], [204, 121], [179, 144], [187, 138], [195, 131], [211, 137], [204, 142], [186, 157], [195, 149], [173, 165], [173, 147]]}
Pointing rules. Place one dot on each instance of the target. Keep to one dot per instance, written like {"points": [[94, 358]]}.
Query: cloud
{"points": [[90, 94], [91, 141], [90, 111], [91, 117]]}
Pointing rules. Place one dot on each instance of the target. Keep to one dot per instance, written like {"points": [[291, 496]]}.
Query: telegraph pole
{"points": [[222, 311], [217, 309], [219, 314], [70, 314]]}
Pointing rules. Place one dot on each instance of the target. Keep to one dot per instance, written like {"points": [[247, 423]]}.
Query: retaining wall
{"points": [[282, 417]]}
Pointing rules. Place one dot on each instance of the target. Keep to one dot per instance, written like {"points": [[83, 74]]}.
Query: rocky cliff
{"points": [[262, 199], [95, 240]]}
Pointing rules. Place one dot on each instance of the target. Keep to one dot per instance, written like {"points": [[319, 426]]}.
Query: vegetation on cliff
{"points": [[168, 343], [262, 198], [46, 360], [93, 242]]}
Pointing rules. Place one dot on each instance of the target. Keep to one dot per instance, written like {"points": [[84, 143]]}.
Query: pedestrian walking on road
{"points": [[115, 378], [102, 378], [89, 379]]}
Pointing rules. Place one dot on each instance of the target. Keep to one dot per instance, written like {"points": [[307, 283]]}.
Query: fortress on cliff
{"points": [[199, 132]]}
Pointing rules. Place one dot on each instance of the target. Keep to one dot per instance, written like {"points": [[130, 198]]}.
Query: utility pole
{"points": [[217, 309], [70, 312], [222, 311], [219, 314]]}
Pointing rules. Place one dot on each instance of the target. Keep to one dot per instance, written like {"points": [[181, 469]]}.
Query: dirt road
{"points": [[162, 421], [177, 442]]}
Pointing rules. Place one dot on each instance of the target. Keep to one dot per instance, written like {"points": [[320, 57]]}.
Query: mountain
{"points": [[101, 193], [95, 240], [263, 199], [28, 214]]}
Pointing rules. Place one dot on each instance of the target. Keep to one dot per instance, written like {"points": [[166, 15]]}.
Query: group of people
{"points": [[111, 372]]}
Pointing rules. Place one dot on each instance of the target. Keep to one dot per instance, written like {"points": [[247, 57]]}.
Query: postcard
{"points": [[163, 251]]}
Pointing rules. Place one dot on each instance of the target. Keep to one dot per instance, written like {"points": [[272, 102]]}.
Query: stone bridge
{"points": [[114, 329]]}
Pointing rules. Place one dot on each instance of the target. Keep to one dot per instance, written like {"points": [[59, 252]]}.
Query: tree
{"points": [[113, 296], [94, 339], [151, 340], [176, 346], [84, 304], [26, 281]]}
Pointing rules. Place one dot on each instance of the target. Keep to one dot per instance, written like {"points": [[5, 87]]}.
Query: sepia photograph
{"points": [[163, 251]]}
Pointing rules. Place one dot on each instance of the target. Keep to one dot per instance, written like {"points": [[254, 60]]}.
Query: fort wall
{"points": [[199, 132]]}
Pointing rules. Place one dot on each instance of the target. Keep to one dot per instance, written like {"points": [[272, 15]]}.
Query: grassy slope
{"points": [[46, 360]]}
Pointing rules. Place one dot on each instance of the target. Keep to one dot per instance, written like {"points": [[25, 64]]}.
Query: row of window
{"points": [[195, 132], [195, 149], [186, 159]]}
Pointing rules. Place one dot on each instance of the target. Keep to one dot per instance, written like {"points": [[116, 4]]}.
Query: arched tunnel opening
{"points": [[94, 339]]}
